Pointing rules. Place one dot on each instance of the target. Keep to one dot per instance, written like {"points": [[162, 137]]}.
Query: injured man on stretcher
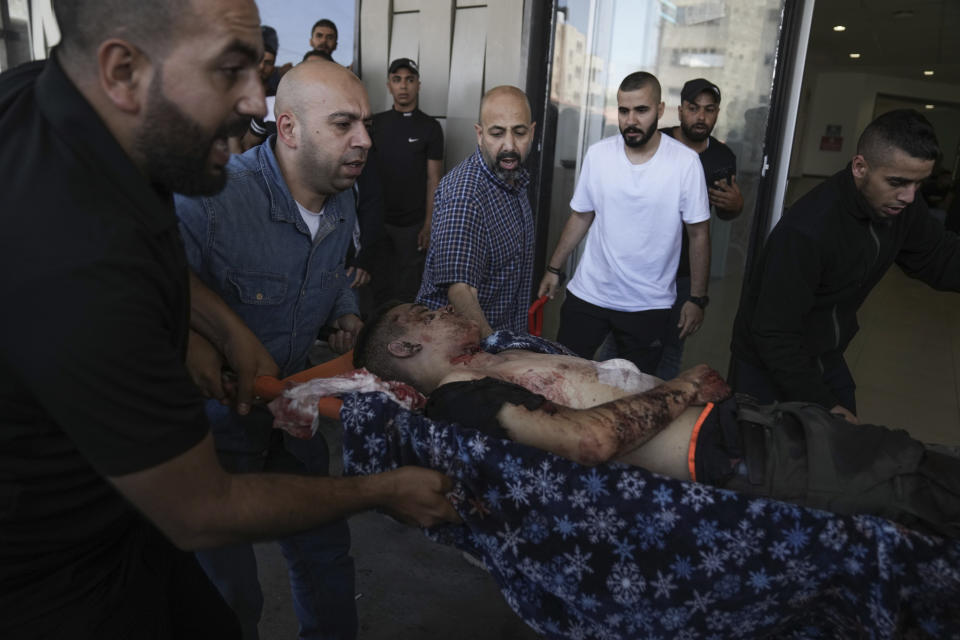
{"points": [[592, 412]]}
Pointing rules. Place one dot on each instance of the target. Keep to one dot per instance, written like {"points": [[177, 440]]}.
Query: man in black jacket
{"points": [[799, 310]]}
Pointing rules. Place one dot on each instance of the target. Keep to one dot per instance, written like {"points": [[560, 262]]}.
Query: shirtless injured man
{"points": [[592, 412]]}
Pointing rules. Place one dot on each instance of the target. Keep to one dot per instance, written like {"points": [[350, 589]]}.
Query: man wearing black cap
{"points": [[261, 127], [698, 111], [269, 74], [409, 146]]}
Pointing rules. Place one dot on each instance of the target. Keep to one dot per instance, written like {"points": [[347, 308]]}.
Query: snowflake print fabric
{"points": [[618, 552]]}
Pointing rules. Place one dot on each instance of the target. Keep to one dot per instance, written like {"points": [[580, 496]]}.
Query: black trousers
{"points": [[638, 334], [397, 266]]}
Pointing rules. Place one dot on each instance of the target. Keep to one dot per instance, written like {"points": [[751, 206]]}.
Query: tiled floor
{"points": [[906, 359]]}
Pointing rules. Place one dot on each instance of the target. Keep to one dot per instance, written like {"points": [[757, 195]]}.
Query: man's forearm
{"points": [[611, 430], [699, 234], [464, 299], [573, 232], [261, 506], [197, 504]]}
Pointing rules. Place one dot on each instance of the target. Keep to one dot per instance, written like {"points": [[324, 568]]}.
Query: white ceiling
{"points": [[925, 35]]}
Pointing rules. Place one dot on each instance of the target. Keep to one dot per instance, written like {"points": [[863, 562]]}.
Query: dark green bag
{"points": [[801, 453]]}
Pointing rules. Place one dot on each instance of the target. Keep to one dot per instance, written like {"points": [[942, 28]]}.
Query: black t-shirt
{"points": [[476, 403], [92, 342], [717, 161], [403, 143]]}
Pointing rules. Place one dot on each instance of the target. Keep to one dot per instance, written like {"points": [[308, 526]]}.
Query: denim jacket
{"points": [[250, 245]]}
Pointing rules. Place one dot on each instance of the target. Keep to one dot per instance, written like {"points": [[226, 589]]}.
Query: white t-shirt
{"points": [[311, 219], [271, 116], [633, 246]]}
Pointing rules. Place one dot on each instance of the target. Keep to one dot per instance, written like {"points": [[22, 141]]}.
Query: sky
{"points": [[293, 18]]}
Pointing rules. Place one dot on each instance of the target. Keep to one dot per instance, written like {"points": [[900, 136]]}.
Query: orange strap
{"points": [[268, 387], [692, 450]]}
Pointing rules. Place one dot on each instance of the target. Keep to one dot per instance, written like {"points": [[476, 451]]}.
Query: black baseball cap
{"points": [[695, 87], [270, 41], [400, 63]]}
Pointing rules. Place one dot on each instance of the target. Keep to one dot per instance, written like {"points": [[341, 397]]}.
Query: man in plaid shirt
{"points": [[481, 245]]}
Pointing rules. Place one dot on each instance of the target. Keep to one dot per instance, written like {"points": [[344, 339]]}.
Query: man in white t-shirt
{"points": [[638, 191]]}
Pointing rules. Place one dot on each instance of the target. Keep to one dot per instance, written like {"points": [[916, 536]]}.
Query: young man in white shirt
{"points": [[641, 189]]}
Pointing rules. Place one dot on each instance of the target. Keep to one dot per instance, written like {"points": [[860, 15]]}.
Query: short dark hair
{"points": [[904, 129], [150, 25], [641, 80], [371, 348], [324, 22], [316, 53]]}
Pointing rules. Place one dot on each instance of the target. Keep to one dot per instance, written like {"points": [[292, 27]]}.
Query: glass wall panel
{"points": [[732, 43]]}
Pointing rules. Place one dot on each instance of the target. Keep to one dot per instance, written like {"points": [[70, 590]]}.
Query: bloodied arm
{"points": [[608, 431]]}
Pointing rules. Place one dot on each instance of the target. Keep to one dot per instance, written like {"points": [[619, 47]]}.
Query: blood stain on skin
{"points": [[549, 385], [549, 408], [470, 351]]}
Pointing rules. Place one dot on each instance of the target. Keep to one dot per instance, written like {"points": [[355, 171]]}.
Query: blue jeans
{"points": [[321, 569]]}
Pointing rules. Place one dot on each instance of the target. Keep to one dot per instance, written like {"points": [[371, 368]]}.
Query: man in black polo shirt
{"points": [[97, 409], [698, 111], [409, 148]]}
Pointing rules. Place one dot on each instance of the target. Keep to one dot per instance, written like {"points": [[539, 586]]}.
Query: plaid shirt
{"points": [[482, 235]]}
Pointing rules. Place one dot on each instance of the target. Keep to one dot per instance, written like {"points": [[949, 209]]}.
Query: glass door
{"points": [[732, 43]]}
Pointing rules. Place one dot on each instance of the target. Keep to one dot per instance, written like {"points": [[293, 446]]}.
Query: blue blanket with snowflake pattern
{"points": [[618, 552]]}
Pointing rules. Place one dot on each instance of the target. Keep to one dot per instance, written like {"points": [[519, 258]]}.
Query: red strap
{"points": [[535, 316]]}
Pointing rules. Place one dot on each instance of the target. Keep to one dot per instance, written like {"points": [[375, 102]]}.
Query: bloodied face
{"points": [[443, 328]]}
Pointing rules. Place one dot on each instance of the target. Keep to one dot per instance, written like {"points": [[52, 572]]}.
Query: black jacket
{"points": [[799, 310]]}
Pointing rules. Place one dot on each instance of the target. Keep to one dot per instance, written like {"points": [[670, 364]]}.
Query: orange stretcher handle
{"points": [[268, 387], [535, 316]]}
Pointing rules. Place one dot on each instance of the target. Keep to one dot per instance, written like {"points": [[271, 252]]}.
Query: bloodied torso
{"points": [[564, 380]]}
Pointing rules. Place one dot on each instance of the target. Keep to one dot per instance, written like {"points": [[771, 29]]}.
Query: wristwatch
{"points": [[557, 272], [700, 301]]}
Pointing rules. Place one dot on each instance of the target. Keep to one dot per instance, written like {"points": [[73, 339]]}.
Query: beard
{"points": [[176, 149], [644, 137], [694, 135], [507, 175]]}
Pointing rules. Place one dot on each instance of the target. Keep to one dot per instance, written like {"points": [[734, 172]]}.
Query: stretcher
{"points": [[617, 551], [269, 388]]}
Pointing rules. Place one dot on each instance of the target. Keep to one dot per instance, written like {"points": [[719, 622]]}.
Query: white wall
{"points": [[848, 99]]}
